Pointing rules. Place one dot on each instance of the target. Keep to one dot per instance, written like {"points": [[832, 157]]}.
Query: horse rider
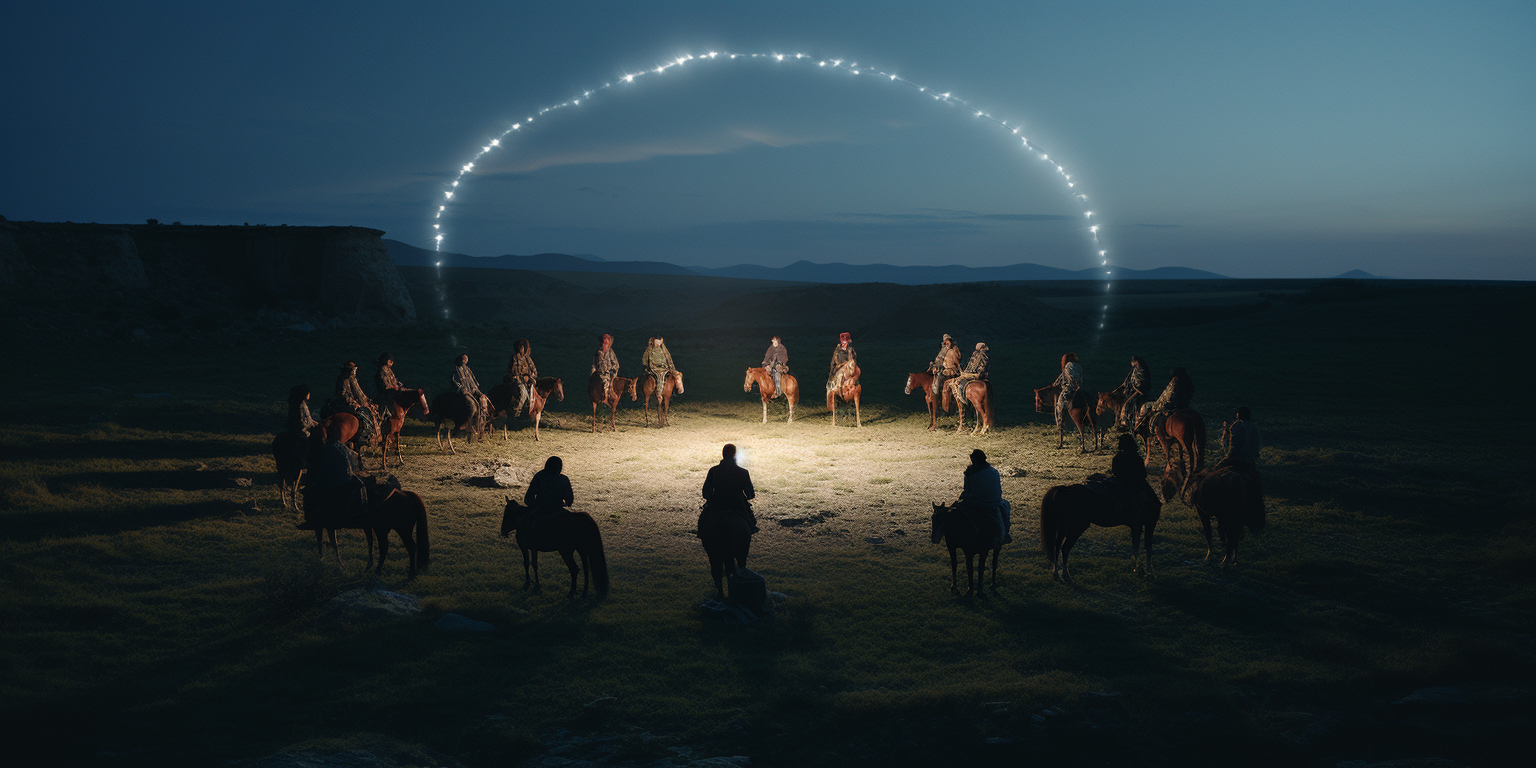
{"points": [[1134, 390], [549, 494], [351, 399], [728, 488], [1243, 456], [658, 362], [946, 365], [464, 382], [1131, 472], [1070, 380], [983, 494], [605, 364], [299, 419], [384, 382], [843, 361], [522, 374], [334, 491], [776, 362], [976, 369], [1175, 397]]}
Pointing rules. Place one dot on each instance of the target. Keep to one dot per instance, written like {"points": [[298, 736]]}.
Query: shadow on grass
{"points": [[33, 526], [157, 448], [173, 479]]}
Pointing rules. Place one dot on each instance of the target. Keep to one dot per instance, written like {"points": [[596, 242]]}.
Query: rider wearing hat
{"points": [[605, 364], [946, 365], [351, 399], [522, 374], [776, 362], [976, 369], [658, 361], [1070, 380], [843, 360]]}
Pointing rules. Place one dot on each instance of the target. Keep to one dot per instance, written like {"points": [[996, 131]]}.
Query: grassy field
{"points": [[160, 609]]}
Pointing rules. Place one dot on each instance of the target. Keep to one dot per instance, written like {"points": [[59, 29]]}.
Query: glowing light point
{"points": [[495, 142], [448, 195], [629, 78], [1094, 229], [822, 64], [1088, 214], [455, 183], [1102, 253], [779, 56]]}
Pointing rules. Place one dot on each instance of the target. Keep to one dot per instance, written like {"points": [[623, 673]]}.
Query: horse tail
{"points": [[1199, 447], [419, 507], [1050, 525], [592, 546]]}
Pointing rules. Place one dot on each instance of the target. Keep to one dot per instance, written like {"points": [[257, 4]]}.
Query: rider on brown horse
{"points": [[946, 365], [384, 382], [299, 419], [334, 492], [658, 362], [521, 374], [605, 364], [549, 494], [983, 494], [843, 358], [1243, 456], [1070, 380], [1134, 390], [1175, 397], [351, 399], [464, 383], [776, 362], [728, 488], [976, 369]]}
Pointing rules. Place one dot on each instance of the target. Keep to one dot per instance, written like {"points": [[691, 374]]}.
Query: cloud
{"points": [[724, 142], [941, 214]]}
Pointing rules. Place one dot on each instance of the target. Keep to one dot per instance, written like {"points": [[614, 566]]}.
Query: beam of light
{"points": [[852, 68]]}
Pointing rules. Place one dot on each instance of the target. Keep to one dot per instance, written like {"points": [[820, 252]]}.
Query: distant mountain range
{"points": [[800, 271]]}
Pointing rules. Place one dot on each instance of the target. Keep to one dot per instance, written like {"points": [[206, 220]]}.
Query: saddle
{"points": [[1127, 497], [987, 520]]}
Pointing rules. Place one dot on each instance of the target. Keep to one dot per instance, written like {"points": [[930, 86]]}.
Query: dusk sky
{"points": [[1250, 139]]}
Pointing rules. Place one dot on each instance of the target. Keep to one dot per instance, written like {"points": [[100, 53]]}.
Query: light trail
{"points": [[849, 68]]}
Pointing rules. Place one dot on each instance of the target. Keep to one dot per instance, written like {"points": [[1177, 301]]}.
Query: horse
{"points": [[402, 512], [961, 530], [454, 407], [1220, 494], [980, 394], [289, 451], [764, 381], [565, 533], [392, 419], [1183, 429], [924, 381], [646, 387], [1078, 410], [848, 392], [1068, 510], [595, 394], [727, 536], [501, 402], [1109, 403]]}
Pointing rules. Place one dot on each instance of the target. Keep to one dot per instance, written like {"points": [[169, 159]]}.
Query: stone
{"points": [[511, 477], [370, 606], [453, 622]]}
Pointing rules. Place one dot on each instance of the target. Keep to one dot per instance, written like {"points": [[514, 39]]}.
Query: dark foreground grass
{"points": [[158, 611]]}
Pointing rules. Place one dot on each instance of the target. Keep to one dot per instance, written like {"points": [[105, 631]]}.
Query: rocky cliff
{"points": [[341, 273]]}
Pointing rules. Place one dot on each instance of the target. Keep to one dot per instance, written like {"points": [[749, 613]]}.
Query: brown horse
{"points": [[454, 407], [979, 393], [1183, 429], [727, 536], [620, 386], [764, 381], [1078, 410], [402, 512], [924, 381], [1220, 494], [392, 419], [646, 389], [1068, 510], [566, 533], [849, 392], [501, 403], [1110, 403], [961, 530]]}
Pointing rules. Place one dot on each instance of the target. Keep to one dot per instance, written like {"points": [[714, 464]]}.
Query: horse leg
{"points": [[1205, 527], [995, 554], [320, 542], [954, 565], [537, 586], [526, 580], [858, 421], [570, 565], [383, 547], [537, 417], [594, 418], [980, 576]]}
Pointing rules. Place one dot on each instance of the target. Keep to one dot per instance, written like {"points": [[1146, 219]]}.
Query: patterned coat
{"points": [[605, 363], [657, 360], [464, 380], [521, 368], [948, 361]]}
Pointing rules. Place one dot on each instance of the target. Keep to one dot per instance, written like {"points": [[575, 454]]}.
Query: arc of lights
{"points": [[1100, 251]]}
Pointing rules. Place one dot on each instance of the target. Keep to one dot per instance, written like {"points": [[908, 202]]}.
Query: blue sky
{"points": [[1250, 139]]}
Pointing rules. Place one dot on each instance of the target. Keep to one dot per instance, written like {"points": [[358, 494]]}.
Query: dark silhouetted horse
{"points": [[620, 386], [1068, 510], [849, 392], [1222, 495], [289, 451], [727, 537], [979, 393], [764, 382], [403, 512], [565, 533], [501, 402], [455, 407], [1079, 411], [646, 386], [962, 530]]}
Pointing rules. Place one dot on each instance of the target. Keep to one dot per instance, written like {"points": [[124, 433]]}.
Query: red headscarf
{"points": [[843, 337]]}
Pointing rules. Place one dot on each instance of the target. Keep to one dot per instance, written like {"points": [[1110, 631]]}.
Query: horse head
{"points": [[746, 384], [634, 390], [511, 516], [1039, 404], [939, 511], [1106, 404], [421, 400], [559, 391], [909, 384], [1174, 483]]}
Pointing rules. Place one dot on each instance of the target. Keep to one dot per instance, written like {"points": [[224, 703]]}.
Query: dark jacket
{"points": [[776, 356], [728, 486], [548, 491], [983, 486]]}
